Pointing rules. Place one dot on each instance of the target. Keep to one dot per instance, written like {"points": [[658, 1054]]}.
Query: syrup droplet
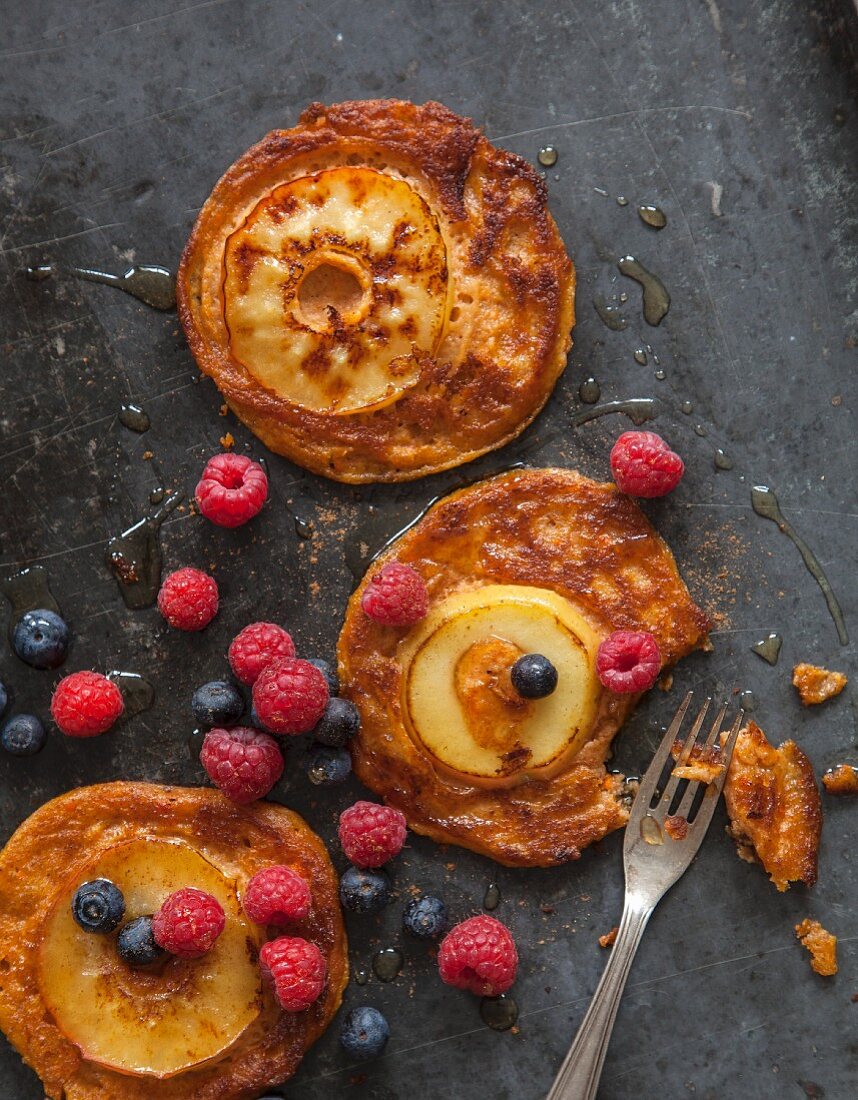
{"points": [[492, 897], [601, 191], [623, 297], [148, 283], [134, 557], [622, 200], [660, 375], [135, 418], [499, 1013], [26, 591], [700, 430], [722, 460], [609, 314], [303, 527], [137, 692], [641, 356], [765, 504], [547, 156], [387, 964], [748, 701], [157, 495], [687, 408], [589, 391], [361, 975], [651, 830], [638, 409], [653, 216], [769, 648], [656, 300]]}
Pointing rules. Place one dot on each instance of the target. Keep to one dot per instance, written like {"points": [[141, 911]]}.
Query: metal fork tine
{"points": [[640, 806], [684, 807], [713, 790], [674, 781], [716, 725]]}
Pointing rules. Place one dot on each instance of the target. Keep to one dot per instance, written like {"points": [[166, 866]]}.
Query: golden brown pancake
{"points": [[379, 293], [554, 532], [72, 839]]}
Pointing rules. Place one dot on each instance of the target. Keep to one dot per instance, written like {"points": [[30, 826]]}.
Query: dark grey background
{"points": [[117, 119]]}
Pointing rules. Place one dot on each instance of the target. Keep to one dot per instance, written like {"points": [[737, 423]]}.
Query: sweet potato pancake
{"points": [[91, 1026], [540, 561], [774, 807], [379, 293]]}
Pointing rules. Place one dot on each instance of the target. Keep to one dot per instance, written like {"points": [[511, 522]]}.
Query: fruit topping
{"points": [[290, 696], [364, 891], [628, 661], [297, 969], [644, 466], [232, 490], [533, 676], [136, 943], [479, 955], [23, 735], [328, 671], [4, 697], [256, 646], [425, 917], [188, 923], [364, 1032], [217, 703], [244, 763], [277, 895], [395, 596], [188, 599], [327, 766], [41, 639], [86, 704], [98, 906], [339, 723], [371, 834]]}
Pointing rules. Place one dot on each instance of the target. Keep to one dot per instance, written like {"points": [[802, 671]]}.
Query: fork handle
{"points": [[579, 1075]]}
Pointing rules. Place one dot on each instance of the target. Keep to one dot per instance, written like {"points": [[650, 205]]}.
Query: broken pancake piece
{"points": [[816, 685], [821, 944], [703, 764], [774, 807], [379, 293], [529, 562], [840, 780]]}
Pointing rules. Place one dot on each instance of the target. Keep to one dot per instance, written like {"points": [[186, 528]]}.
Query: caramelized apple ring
{"points": [[379, 293]]}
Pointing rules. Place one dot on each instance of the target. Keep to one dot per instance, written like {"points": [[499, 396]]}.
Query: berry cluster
{"points": [[370, 835]]}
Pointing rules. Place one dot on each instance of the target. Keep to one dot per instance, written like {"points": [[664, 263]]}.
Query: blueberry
{"points": [[326, 766], [23, 735], [41, 639], [136, 943], [364, 891], [98, 906], [364, 1032], [328, 671], [533, 676], [4, 696], [217, 704], [339, 723], [425, 917]]}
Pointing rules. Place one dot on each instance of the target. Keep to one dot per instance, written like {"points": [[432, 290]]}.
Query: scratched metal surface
{"points": [[117, 119]]}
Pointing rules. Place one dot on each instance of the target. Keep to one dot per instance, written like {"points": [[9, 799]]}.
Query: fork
{"points": [[654, 858]]}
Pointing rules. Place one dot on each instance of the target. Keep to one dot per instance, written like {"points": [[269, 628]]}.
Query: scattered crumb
{"points": [[815, 685], [666, 681], [148, 455], [609, 938], [676, 827], [821, 945], [703, 766], [836, 401], [549, 909], [854, 998], [842, 779], [227, 441], [224, 409]]}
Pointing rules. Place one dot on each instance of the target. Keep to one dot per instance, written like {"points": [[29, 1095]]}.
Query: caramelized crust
{"points": [[774, 808], [821, 945], [509, 293], [65, 837], [548, 528], [841, 780], [815, 685]]}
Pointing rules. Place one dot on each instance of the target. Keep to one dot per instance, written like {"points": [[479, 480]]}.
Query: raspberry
{"points": [[395, 596], [244, 763], [86, 704], [644, 466], [257, 646], [232, 490], [290, 696], [188, 923], [479, 955], [371, 834], [188, 599], [277, 895], [298, 970], [627, 661]]}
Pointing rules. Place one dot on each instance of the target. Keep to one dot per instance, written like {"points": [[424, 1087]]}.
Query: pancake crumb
{"points": [[842, 779], [821, 944], [815, 684], [609, 938]]}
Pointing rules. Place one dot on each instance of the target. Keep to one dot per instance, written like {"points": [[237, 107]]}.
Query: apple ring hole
{"points": [[331, 285]]}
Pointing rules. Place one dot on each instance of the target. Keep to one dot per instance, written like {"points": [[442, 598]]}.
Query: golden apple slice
{"points": [[334, 286], [459, 703], [163, 1021]]}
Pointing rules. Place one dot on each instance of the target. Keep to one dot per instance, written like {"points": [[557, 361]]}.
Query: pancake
{"points": [[531, 558], [203, 1029], [379, 293]]}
